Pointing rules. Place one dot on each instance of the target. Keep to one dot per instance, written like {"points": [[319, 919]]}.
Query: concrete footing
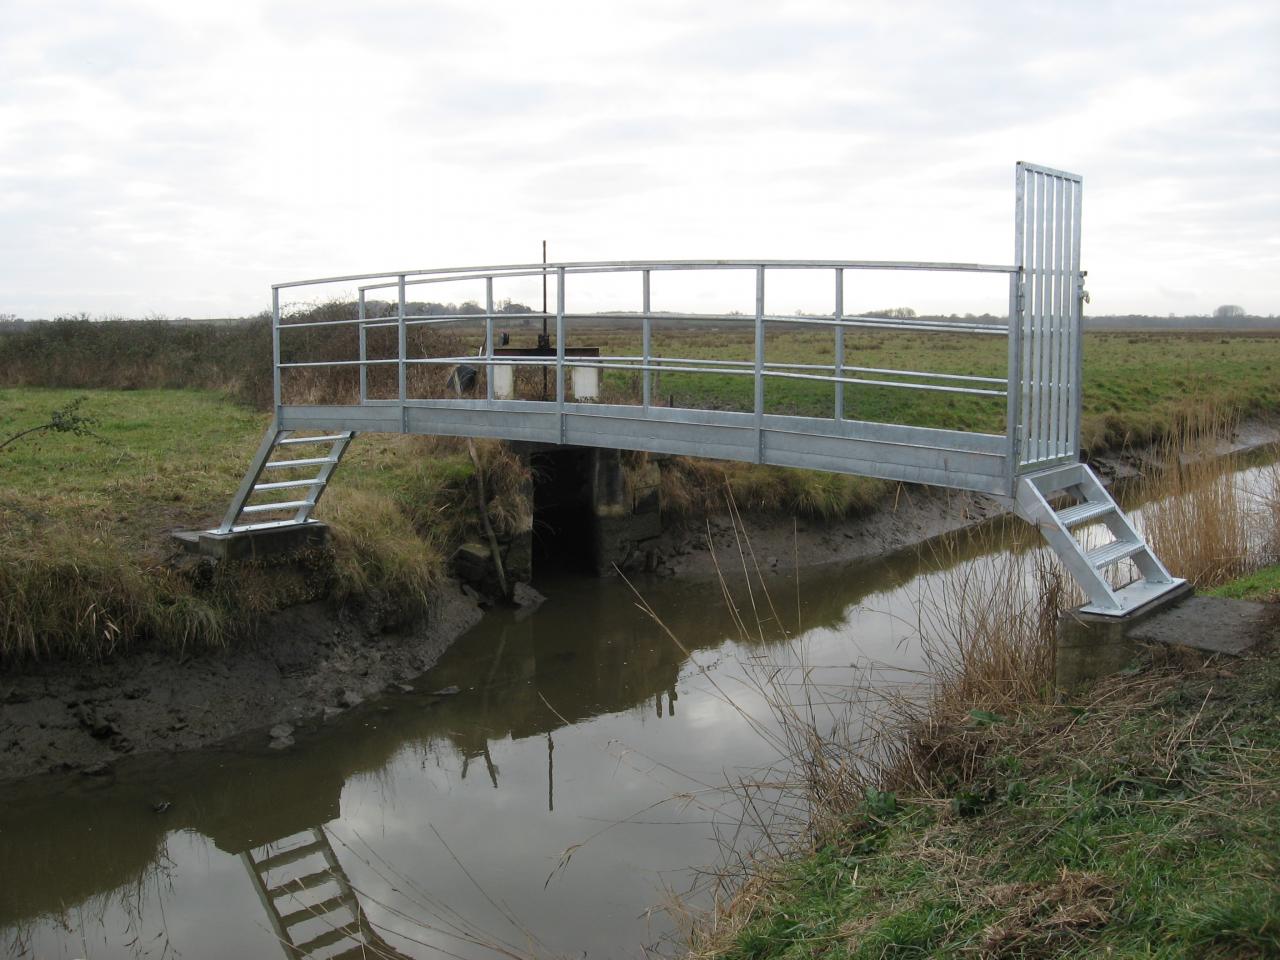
{"points": [[1091, 646], [624, 514], [255, 544]]}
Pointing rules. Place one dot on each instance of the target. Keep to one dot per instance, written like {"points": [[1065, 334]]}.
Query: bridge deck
{"points": [[951, 458]]}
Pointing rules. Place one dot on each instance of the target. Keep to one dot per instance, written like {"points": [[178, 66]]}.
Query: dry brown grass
{"points": [[694, 487], [1199, 521]]}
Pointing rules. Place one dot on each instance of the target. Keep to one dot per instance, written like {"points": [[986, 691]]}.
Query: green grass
{"points": [[1262, 585], [87, 565], [1136, 384], [1142, 820]]}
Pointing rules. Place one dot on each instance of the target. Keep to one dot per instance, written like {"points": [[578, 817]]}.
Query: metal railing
{"points": [[1041, 389]]}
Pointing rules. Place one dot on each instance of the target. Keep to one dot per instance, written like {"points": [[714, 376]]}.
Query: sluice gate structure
{"points": [[395, 378]]}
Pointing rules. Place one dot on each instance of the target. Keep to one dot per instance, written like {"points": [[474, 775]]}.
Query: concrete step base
{"points": [[255, 544]]}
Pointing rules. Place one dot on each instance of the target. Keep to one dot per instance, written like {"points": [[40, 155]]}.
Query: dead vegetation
{"points": [[972, 815]]}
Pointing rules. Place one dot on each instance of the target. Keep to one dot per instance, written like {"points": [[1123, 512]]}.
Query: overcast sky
{"points": [[178, 158]]}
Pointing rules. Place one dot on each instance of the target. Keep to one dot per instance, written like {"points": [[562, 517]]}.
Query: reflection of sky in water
{"points": [[633, 781]]}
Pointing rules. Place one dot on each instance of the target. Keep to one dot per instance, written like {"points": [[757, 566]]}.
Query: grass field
{"points": [[1140, 819], [86, 558], [1136, 384], [85, 555]]}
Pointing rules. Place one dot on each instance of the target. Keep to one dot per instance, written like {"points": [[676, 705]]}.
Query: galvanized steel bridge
{"points": [[1033, 465]]}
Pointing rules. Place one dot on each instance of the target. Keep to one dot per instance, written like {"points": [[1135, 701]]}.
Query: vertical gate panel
{"points": [[1047, 253]]}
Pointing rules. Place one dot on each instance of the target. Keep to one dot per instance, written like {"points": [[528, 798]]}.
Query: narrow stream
{"points": [[567, 770]]}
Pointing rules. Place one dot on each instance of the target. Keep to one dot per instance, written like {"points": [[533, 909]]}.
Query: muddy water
{"points": [[538, 790]]}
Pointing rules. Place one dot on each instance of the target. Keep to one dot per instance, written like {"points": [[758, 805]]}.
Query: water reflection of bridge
{"points": [[517, 679], [312, 907]]}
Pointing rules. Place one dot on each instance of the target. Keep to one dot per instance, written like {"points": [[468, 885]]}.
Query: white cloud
{"points": [[178, 158]]}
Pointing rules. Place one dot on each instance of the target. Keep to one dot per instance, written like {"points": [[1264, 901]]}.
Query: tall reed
{"points": [[1199, 521]]}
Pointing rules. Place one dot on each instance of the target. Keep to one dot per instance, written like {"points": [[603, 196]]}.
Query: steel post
{"points": [[488, 337], [560, 348], [402, 370], [839, 357], [646, 337], [759, 367], [275, 348], [364, 352]]}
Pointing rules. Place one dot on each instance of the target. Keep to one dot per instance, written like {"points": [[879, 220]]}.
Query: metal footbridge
{"points": [[383, 367]]}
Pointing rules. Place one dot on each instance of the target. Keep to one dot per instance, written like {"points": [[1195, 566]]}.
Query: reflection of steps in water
{"points": [[313, 909]]}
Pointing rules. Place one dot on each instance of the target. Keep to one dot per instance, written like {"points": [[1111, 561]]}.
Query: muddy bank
{"points": [[313, 663], [910, 517], [309, 665]]}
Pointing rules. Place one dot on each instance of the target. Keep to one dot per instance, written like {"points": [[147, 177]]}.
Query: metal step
{"points": [[339, 902], [1112, 553], [289, 441], [304, 462], [266, 525], [329, 938], [289, 856], [272, 507], [1135, 596], [1083, 513], [287, 484], [298, 884]]}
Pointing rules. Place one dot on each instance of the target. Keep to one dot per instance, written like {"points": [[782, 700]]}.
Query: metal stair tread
{"points": [[1114, 552], [315, 910], [269, 524], [269, 507], [303, 462], [288, 856], [1082, 513], [325, 439], [329, 937], [287, 484], [307, 882]]}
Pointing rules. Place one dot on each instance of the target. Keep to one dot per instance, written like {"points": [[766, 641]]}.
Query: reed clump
{"points": [[1200, 522]]}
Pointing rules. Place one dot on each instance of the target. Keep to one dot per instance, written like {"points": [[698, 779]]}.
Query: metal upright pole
{"points": [[275, 349], [646, 337], [488, 336], [759, 368], [1017, 388], [1077, 320], [364, 353], [543, 341], [402, 368], [839, 358], [560, 348]]}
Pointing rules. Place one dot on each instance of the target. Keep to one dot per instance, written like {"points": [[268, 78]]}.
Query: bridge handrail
{"points": [[445, 274], [1045, 290]]}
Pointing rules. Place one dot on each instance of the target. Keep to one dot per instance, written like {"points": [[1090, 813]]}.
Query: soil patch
{"points": [[310, 664]]}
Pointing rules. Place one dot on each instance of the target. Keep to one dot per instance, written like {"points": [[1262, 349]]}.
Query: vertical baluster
{"points": [[1043, 225], [1031, 291], [364, 350], [646, 337], [488, 337], [560, 348], [839, 358], [759, 366], [1077, 321], [275, 348], [1016, 370]]}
